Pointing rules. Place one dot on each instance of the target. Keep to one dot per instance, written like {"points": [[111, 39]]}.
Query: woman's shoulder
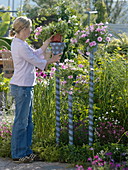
{"points": [[17, 42]]}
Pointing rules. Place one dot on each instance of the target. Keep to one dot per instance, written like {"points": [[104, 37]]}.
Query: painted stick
{"points": [[91, 97], [70, 116], [56, 49]]}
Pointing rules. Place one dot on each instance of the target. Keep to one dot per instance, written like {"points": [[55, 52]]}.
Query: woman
{"points": [[25, 60]]}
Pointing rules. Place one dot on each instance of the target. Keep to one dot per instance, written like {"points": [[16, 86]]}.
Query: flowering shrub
{"points": [[98, 163], [91, 36], [109, 132], [5, 138], [71, 74], [102, 161], [44, 32], [5, 130]]}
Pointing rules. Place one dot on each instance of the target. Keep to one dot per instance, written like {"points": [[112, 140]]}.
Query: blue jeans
{"points": [[23, 127]]}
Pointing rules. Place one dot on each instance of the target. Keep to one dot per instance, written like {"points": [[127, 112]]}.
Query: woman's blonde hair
{"points": [[19, 24]]}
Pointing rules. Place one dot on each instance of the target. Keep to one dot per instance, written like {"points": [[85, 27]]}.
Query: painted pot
{"points": [[57, 47]]}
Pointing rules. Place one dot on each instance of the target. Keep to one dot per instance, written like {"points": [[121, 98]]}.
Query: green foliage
{"points": [[115, 9], [118, 45], [4, 83], [5, 43], [5, 23], [102, 11], [111, 87]]}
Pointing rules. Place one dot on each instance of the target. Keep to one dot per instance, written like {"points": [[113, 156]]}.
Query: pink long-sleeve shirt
{"points": [[25, 60]]}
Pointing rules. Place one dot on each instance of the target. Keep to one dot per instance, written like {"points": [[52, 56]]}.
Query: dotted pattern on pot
{"points": [[57, 47]]}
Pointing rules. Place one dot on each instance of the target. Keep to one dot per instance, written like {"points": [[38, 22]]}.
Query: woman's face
{"points": [[27, 31]]}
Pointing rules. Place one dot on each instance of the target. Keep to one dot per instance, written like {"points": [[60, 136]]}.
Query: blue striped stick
{"points": [[56, 49], [91, 97], [57, 106], [70, 116]]}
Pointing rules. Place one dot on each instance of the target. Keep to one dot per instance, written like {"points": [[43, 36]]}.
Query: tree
{"points": [[102, 11], [115, 9], [5, 23]]}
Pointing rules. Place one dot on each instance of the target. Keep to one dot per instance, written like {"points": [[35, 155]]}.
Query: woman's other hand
{"points": [[54, 58]]}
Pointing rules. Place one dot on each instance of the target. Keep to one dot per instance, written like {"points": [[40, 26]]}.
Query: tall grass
{"points": [[111, 87], [44, 109]]}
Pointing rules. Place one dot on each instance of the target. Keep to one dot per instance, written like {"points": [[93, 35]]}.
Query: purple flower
{"points": [[91, 149], [118, 165], [80, 65], [108, 153]]}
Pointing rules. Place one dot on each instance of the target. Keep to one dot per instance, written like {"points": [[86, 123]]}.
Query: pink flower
{"points": [[63, 82], [110, 35], [108, 39], [71, 61], [70, 77], [52, 73], [89, 168], [96, 157], [53, 69], [37, 33], [91, 28], [87, 53], [93, 43], [87, 41], [73, 41], [37, 74], [77, 32], [64, 67], [83, 35], [89, 159], [99, 39]]}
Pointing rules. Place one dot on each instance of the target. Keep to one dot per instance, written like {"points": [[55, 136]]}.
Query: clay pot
{"points": [[57, 38]]}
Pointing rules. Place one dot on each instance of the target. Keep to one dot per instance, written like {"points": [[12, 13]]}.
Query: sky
{"points": [[17, 3]]}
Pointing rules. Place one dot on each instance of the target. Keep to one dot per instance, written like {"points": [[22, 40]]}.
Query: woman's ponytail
{"points": [[12, 32]]}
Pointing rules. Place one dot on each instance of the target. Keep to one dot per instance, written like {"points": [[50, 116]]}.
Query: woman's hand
{"points": [[46, 43], [48, 40], [54, 58]]}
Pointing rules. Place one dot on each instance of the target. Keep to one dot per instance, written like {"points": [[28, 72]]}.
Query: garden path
{"points": [[8, 164]]}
